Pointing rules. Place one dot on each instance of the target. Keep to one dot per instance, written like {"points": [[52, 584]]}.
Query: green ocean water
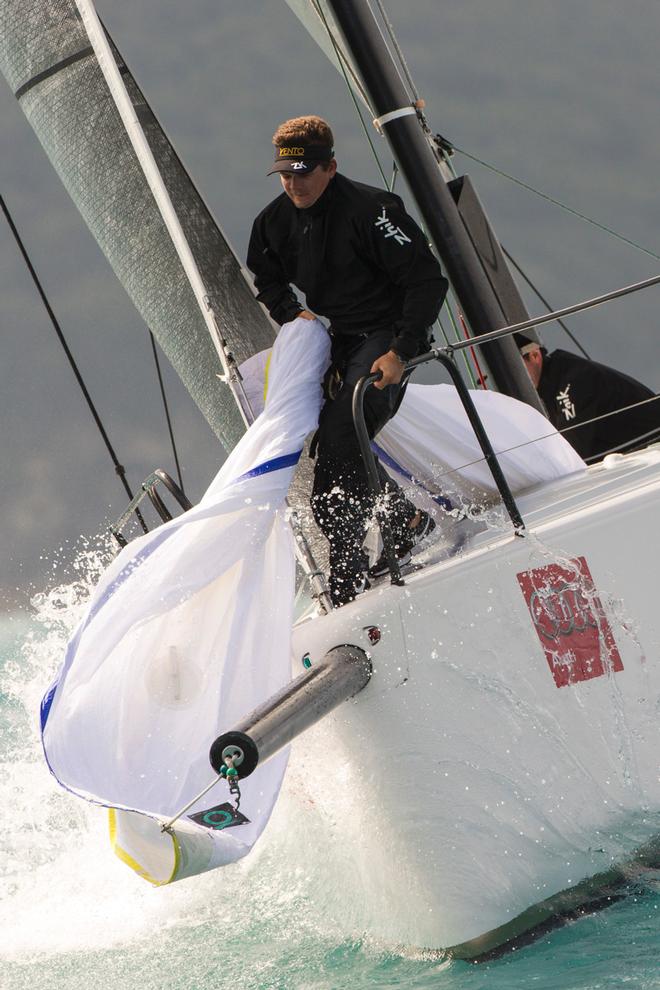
{"points": [[71, 916]]}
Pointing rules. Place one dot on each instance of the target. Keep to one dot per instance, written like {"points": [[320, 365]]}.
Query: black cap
{"points": [[300, 158], [525, 343]]}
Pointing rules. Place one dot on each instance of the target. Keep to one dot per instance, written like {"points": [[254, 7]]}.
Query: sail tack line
{"points": [[122, 100]]}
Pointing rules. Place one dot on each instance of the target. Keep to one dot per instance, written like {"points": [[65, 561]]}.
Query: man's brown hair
{"points": [[305, 130]]}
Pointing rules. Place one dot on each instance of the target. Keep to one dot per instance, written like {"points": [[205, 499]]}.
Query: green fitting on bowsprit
{"points": [[228, 772]]}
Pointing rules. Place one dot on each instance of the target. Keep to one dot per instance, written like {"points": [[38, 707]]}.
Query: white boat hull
{"points": [[486, 787]]}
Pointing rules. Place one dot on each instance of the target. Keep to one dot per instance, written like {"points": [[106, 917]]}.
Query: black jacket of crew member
{"points": [[360, 259], [575, 390]]}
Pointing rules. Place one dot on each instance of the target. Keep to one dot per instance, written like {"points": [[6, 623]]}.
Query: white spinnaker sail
{"points": [[188, 630], [430, 440]]}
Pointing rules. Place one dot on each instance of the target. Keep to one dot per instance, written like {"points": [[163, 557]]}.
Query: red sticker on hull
{"points": [[570, 621]]}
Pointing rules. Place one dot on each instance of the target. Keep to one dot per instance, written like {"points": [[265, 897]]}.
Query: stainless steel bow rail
{"points": [[445, 356], [148, 490], [435, 354]]}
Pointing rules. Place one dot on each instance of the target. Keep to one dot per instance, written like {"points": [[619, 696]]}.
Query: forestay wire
{"points": [[120, 470]]}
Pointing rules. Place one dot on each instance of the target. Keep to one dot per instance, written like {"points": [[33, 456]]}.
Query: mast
{"points": [[417, 161]]}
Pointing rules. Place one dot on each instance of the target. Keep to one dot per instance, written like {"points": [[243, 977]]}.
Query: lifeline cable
{"points": [[446, 472], [543, 300]]}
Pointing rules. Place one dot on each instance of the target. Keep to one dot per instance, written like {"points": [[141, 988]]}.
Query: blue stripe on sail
{"points": [[126, 571], [158, 538], [47, 701], [132, 565], [277, 463], [441, 500]]}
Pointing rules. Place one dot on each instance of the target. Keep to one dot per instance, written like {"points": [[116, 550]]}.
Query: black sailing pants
{"points": [[342, 501]]}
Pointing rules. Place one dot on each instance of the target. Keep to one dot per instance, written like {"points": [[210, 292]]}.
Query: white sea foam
{"points": [[296, 901], [64, 891]]}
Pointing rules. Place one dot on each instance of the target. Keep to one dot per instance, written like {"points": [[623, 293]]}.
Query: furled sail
{"points": [[450, 461], [188, 630], [49, 62]]}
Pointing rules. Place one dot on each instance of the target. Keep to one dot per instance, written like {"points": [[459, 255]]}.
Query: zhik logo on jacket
{"points": [[565, 403], [389, 230]]}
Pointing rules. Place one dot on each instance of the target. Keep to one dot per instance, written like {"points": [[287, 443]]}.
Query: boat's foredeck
{"points": [[542, 507]]}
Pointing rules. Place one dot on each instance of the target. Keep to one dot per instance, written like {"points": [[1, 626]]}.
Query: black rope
{"points": [[544, 301], [119, 468], [167, 411]]}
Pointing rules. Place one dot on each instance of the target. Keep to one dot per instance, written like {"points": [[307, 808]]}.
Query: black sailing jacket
{"points": [[360, 259], [575, 390]]}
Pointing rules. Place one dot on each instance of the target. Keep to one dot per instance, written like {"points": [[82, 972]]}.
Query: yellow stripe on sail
{"points": [[266, 370], [129, 860]]}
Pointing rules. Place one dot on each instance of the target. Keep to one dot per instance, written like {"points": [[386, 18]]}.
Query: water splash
{"points": [[72, 916]]}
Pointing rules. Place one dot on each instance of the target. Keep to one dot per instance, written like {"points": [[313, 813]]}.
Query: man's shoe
{"points": [[411, 538], [341, 592]]}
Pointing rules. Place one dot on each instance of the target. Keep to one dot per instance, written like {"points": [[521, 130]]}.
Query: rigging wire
{"points": [[524, 275], [515, 264], [408, 81], [341, 57], [344, 65], [120, 470], [544, 301], [167, 411], [521, 272], [557, 202], [412, 89]]}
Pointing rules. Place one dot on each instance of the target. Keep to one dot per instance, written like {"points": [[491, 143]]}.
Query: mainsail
{"points": [[317, 18], [49, 62]]}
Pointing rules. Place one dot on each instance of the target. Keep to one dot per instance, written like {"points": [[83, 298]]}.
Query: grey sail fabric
{"points": [[47, 59], [317, 18]]}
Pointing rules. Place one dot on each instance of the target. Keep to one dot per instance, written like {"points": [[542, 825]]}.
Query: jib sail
{"points": [[49, 61]]}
